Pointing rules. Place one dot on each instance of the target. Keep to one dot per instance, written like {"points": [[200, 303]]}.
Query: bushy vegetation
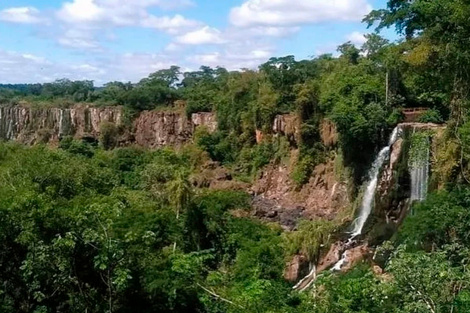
{"points": [[125, 231]]}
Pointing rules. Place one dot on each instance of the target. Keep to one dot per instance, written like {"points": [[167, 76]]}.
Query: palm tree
{"points": [[179, 193]]}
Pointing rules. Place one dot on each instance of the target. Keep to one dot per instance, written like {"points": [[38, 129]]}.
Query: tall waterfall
{"points": [[365, 209], [419, 172], [373, 177]]}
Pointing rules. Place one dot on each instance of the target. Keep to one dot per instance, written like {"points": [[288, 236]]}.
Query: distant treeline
{"points": [[361, 91]]}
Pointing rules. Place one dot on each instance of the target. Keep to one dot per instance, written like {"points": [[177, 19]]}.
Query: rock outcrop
{"points": [[329, 134], [277, 198], [297, 268], [287, 125], [31, 125], [151, 129], [206, 119], [155, 129]]}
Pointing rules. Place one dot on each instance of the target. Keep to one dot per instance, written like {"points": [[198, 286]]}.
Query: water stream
{"points": [[364, 211], [373, 177], [419, 172], [368, 200]]}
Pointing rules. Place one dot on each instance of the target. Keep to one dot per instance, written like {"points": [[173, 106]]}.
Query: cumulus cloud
{"points": [[78, 38], [17, 67], [20, 68], [94, 16], [204, 35], [292, 13], [249, 39], [21, 15], [172, 25], [119, 13], [233, 59], [357, 38]]}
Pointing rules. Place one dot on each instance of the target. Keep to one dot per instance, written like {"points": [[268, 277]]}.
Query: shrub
{"points": [[108, 135], [431, 116], [76, 147]]}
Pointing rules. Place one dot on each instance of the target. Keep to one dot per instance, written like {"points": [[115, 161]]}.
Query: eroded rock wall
{"points": [[287, 125], [157, 129], [277, 198], [31, 125], [152, 129]]}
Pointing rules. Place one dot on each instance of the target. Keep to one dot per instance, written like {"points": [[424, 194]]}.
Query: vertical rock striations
{"points": [[32, 125], [152, 129], [155, 129]]}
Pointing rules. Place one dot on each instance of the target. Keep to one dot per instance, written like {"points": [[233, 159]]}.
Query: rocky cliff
{"points": [[155, 129], [31, 125], [150, 129], [278, 199], [394, 187], [393, 197]]}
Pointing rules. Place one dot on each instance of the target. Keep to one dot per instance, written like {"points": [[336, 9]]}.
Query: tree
{"points": [[349, 52], [180, 192]]}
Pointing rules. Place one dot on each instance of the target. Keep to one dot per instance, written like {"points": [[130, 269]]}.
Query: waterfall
{"points": [[61, 122], [364, 211], [340, 263], [419, 172], [373, 177]]}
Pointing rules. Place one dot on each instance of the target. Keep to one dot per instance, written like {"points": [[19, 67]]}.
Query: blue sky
{"points": [[105, 40]]}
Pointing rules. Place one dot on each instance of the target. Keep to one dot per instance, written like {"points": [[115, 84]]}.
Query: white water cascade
{"points": [[419, 172], [373, 177], [368, 200], [364, 212]]}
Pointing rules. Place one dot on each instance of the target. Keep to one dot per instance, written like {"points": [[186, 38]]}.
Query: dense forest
{"points": [[86, 228]]}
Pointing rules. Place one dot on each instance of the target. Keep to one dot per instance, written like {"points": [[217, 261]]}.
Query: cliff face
{"points": [[206, 119], [30, 125], [394, 192], [151, 129], [277, 197], [155, 129], [278, 200], [287, 125]]}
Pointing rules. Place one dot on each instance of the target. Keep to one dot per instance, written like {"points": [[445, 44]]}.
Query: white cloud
{"points": [[92, 17], [357, 38], [27, 68], [292, 13], [209, 59], [172, 25], [272, 31], [163, 4], [173, 47], [20, 68], [21, 15], [232, 60], [135, 66], [110, 13], [81, 39], [204, 35], [80, 11]]}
